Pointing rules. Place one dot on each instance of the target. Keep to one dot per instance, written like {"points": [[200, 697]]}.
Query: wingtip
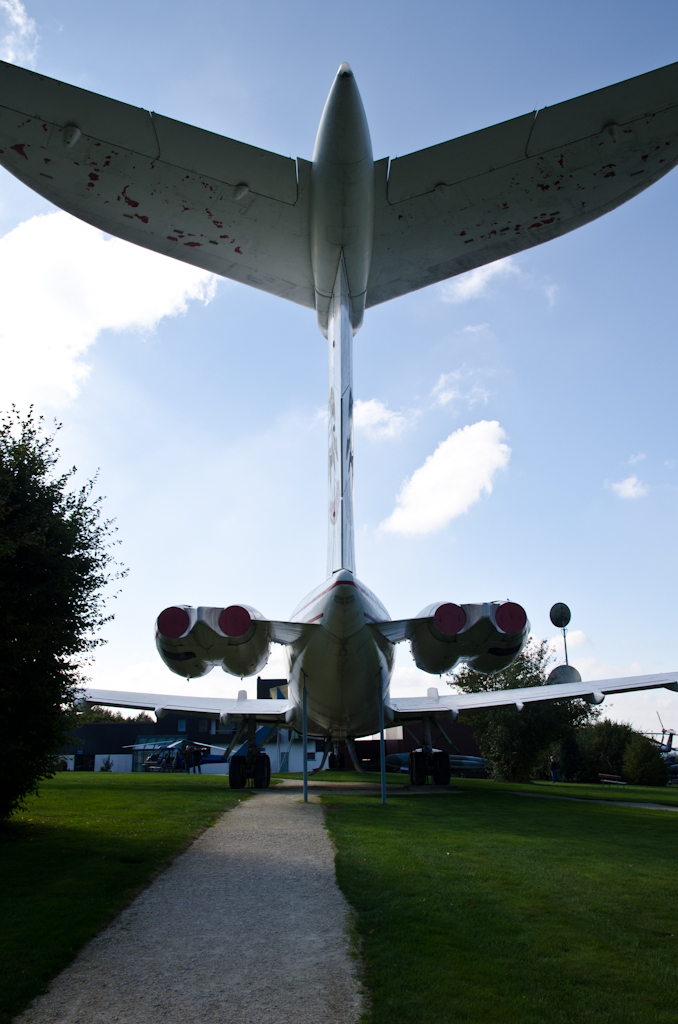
{"points": [[345, 70]]}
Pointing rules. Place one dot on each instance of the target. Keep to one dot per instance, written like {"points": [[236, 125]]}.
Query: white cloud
{"points": [[636, 458], [451, 480], [476, 329], [551, 292], [476, 282], [450, 389], [63, 283], [377, 420], [576, 638], [632, 487], [20, 42]]}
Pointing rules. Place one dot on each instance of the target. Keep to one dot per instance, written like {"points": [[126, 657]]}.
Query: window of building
{"points": [[181, 725]]}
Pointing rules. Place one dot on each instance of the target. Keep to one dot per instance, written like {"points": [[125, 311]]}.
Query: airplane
{"points": [[340, 234]]}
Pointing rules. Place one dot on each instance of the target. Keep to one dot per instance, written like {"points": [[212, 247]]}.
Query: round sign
{"points": [[560, 615]]}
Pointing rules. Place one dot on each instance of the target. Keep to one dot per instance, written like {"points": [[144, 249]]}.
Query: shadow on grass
{"points": [[78, 853], [479, 908]]}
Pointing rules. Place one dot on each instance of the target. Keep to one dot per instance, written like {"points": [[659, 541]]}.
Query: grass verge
{"points": [[472, 907], [78, 853]]}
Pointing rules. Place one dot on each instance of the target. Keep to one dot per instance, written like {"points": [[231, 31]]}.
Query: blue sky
{"points": [[202, 401]]}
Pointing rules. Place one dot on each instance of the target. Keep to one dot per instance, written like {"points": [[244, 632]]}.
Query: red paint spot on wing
{"points": [[141, 217], [171, 238], [19, 148], [218, 223], [130, 202], [238, 249], [193, 245], [92, 176]]}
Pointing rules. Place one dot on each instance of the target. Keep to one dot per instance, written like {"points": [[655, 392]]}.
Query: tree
{"points": [[643, 764], [94, 713], [601, 747], [514, 742], [55, 564]]}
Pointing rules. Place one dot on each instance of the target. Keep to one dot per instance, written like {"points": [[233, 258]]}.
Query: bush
{"points": [[514, 741], [54, 566], [643, 764], [601, 748]]}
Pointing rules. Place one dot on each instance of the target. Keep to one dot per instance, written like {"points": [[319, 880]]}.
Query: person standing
{"points": [[555, 770], [188, 758], [197, 759]]}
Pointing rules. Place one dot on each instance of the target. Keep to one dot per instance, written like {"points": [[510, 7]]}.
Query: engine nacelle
{"points": [[488, 637], [191, 641]]}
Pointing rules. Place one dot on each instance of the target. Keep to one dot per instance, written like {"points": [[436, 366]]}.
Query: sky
{"points": [[515, 427]]}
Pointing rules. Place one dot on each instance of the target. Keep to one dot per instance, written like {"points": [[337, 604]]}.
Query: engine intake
{"points": [[191, 641], [488, 637]]}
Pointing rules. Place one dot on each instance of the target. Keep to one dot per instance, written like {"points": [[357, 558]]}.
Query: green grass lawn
{"points": [[76, 855], [481, 908], [581, 791], [374, 778]]}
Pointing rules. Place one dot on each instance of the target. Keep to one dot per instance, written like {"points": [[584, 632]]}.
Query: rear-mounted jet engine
{"points": [[191, 641], [488, 637]]}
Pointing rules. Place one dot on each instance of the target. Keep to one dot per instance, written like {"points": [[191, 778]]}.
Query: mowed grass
{"points": [[373, 778], [482, 908], [77, 854], [579, 791]]}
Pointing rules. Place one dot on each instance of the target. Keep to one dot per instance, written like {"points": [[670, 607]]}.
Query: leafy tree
{"points": [[55, 563], [643, 764], [514, 741], [94, 713], [601, 750]]}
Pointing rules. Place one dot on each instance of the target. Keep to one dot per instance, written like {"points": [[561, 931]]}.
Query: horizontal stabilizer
{"points": [[450, 208], [456, 703], [211, 707], [216, 203]]}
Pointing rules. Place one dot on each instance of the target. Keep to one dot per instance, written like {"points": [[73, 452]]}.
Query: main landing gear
{"points": [[428, 763], [254, 765], [435, 764]]}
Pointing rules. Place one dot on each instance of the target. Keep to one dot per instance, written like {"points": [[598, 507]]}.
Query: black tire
{"points": [[441, 768], [262, 771], [236, 771], [417, 768]]}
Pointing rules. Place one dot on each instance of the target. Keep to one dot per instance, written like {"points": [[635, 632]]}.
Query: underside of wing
{"points": [[404, 708], [457, 206], [208, 707], [222, 205]]}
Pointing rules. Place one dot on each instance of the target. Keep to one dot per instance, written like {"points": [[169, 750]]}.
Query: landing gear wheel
{"points": [[417, 768], [262, 771], [236, 771], [441, 768]]}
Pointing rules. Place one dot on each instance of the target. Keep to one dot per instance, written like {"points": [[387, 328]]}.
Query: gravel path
{"points": [[247, 926]]}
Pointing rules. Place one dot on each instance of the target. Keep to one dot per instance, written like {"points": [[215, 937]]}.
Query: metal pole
{"points": [[565, 642], [304, 741], [382, 744]]}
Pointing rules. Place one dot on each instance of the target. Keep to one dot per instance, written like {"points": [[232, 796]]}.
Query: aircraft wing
{"points": [[594, 691], [212, 707], [222, 205], [467, 202]]}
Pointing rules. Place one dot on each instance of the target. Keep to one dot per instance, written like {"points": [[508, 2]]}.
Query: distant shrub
{"points": [[643, 764]]}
